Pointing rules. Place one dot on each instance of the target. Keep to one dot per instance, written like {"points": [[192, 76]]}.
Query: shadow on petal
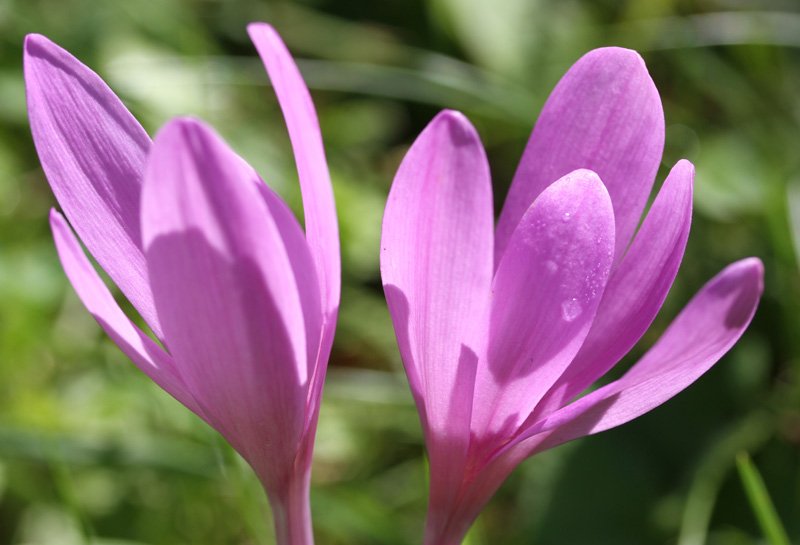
{"points": [[232, 348]]}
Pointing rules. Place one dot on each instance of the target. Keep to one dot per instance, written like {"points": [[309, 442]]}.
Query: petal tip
{"points": [[190, 123], [749, 266], [259, 26], [745, 278], [588, 175], [452, 115], [620, 56], [458, 127], [684, 171], [56, 219], [260, 32], [685, 164], [588, 180], [60, 229], [581, 185], [36, 44], [182, 127], [187, 121], [755, 267]]}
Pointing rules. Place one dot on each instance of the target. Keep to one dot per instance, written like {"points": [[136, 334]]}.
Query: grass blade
{"points": [[760, 501]]}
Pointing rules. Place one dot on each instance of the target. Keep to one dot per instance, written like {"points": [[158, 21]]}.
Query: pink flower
{"points": [[243, 302], [500, 330]]}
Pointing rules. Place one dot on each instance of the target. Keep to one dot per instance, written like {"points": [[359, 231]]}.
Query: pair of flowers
{"points": [[499, 330]]}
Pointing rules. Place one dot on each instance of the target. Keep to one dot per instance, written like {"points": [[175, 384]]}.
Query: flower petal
{"points": [[544, 298], [436, 266], [436, 262], [604, 115], [635, 291], [94, 294], [701, 334], [226, 294], [92, 151], [322, 229], [302, 263]]}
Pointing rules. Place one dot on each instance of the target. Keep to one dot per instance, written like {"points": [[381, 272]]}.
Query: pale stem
{"points": [[291, 513]]}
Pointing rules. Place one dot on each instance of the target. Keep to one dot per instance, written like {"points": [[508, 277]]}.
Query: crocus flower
{"points": [[242, 301], [500, 330]]}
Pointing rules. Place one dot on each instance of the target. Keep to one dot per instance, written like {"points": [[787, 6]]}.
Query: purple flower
{"points": [[243, 302], [500, 330]]}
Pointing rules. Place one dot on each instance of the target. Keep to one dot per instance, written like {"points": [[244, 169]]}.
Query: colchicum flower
{"points": [[501, 330], [243, 301]]}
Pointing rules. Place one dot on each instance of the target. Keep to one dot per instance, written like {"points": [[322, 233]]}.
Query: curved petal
{"points": [[635, 291], [94, 294], [604, 115], [225, 292], [436, 267], [322, 229], [701, 334], [436, 252], [92, 151], [302, 263], [544, 298]]}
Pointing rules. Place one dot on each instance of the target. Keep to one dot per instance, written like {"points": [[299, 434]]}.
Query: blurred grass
{"points": [[91, 452], [760, 501]]}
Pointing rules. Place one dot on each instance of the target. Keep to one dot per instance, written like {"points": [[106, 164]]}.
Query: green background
{"points": [[91, 452]]}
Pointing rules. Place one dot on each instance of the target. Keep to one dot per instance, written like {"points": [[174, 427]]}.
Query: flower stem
{"points": [[291, 513], [445, 536]]}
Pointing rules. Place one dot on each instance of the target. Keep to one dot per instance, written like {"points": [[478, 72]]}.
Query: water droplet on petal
{"points": [[566, 217], [571, 309]]}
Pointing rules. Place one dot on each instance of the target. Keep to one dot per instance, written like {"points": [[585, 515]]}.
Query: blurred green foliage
{"points": [[92, 453]]}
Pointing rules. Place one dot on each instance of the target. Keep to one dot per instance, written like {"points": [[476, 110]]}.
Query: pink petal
{"points": [[636, 290], [436, 265], [224, 287], [93, 152], [604, 115], [146, 354], [322, 229], [544, 298], [302, 263], [450, 523], [436, 256], [701, 334]]}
